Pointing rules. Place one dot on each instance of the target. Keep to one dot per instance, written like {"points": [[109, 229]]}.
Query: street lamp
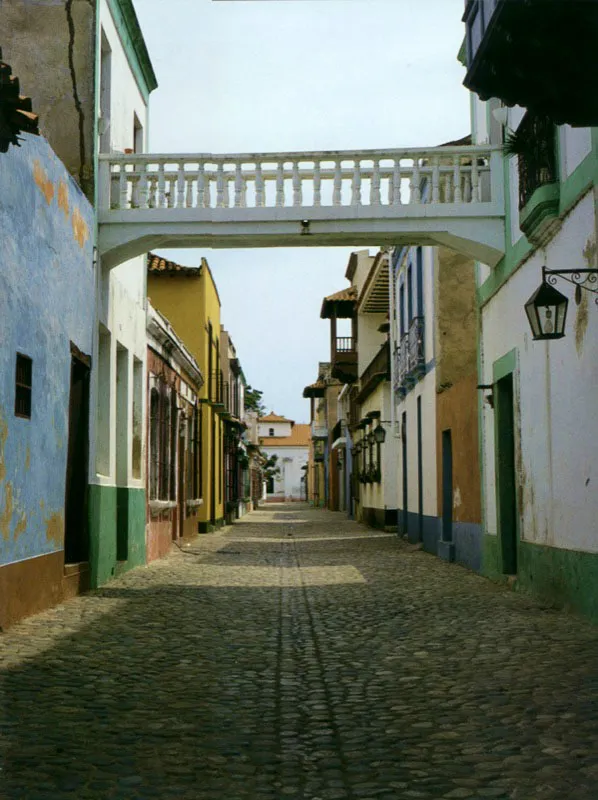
{"points": [[547, 311], [547, 308], [379, 434]]}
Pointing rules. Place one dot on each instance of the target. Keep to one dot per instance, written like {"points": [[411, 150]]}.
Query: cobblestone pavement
{"points": [[298, 655]]}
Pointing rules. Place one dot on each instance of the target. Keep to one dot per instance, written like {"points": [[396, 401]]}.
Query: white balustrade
{"points": [[434, 176]]}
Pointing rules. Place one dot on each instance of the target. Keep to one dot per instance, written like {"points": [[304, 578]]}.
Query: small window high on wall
{"points": [[24, 372]]}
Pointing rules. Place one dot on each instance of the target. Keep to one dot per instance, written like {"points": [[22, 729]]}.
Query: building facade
{"points": [[289, 442], [47, 295], [537, 450], [188, 298], [174, 485]]}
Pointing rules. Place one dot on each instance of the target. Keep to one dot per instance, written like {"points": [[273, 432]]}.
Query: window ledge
{"points": [[195, 503], [539, 217], [157, 506]]}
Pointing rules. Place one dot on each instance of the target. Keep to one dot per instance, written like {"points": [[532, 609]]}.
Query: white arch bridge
{"points": [[450, 196]]}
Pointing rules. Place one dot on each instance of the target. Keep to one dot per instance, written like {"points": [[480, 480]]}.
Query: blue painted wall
{"points": [[46, 301]]}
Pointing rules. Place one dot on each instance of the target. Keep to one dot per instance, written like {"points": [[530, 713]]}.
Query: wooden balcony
{"points": [[539, 54], [377, 370], [344, 359]]}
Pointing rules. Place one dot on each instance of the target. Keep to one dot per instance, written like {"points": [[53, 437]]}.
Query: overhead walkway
{"points": [[450, 196]]}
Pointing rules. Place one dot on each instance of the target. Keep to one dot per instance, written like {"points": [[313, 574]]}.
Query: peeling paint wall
{"points": [[555, 398], [46, 301], [51, 48]]}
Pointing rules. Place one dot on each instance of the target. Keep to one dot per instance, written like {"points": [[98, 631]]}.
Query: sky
{"points": [[281, 75]]}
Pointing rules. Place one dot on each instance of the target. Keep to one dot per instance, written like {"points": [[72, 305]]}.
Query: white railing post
{"points": [[220, 182], [317, 184], [436, 180], [296, 184], [201, 185], [280, 184], [161, 186], [143, 186], [259, 185], [458, 196], [415, 179], [338, 178], [180, 198], [238, 186], [475, 181], [123, 187], [375, 184], [356, 184], [395, 184]]}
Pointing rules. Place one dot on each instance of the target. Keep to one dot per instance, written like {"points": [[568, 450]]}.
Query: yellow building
{"points": [[188, 297]]}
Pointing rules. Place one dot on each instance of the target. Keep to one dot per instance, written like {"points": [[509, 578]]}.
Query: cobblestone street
{"points": [[299, 655]]}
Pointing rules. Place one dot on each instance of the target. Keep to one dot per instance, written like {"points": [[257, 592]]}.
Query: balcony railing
{"points": [[377, 370], [537, 165], [456, 175], [410, 357], [345, 344]]}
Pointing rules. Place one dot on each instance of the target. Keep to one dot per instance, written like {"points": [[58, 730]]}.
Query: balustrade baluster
{"points": [[189, 195], [448, 189], [458, 197], [259, 186], [317, 184], [356, 184], [338, 184], [153, 189], [280, 184], [143, 186], [180, 194], [375, 184], [201, 185], [415, 179], [220, 185], [436, 180], [238, 186], [395, 182], [475, 181], [161, 186], [123, 186], [172, 182], [297, 194]]}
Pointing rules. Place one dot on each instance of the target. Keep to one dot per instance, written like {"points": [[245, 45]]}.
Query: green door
{"points": [[505, 474]]}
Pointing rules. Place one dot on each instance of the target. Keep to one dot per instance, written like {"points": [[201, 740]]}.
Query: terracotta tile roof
{"points": [[272, 417], [345, 294], [300, 437], [158, 265], [340, 303], [317, 389]]}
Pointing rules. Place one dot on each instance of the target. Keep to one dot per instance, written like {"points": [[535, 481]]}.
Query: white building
{"points": [[288, 441], [538, 448], [117, 454]]}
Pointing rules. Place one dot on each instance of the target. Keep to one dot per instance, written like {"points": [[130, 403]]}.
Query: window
{"points": [[409, 295], [163, 429], [23, 387], [402, 309], [271, 432], [420, 281]]}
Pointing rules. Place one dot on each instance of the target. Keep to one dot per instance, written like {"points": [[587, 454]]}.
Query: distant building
{"points": [[173, 454], [188, 297], [290, 442]]}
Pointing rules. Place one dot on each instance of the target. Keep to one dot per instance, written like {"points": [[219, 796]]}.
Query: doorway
{"points": [[505, 474], [179, 529], [447, 486], [76, 539]]}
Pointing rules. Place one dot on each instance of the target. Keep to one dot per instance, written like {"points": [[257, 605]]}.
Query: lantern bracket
{"points": [[584, 278]]}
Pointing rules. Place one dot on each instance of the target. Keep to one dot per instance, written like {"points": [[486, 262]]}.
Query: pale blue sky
{"points": [[268, 75]]}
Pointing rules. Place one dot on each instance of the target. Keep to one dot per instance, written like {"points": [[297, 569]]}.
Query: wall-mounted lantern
{"points": [[547, 308], [379, 434]]}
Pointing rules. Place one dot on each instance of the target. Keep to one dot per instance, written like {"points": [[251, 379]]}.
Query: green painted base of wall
{"points": [[116, 531], [564, 578], [210, 527]]}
